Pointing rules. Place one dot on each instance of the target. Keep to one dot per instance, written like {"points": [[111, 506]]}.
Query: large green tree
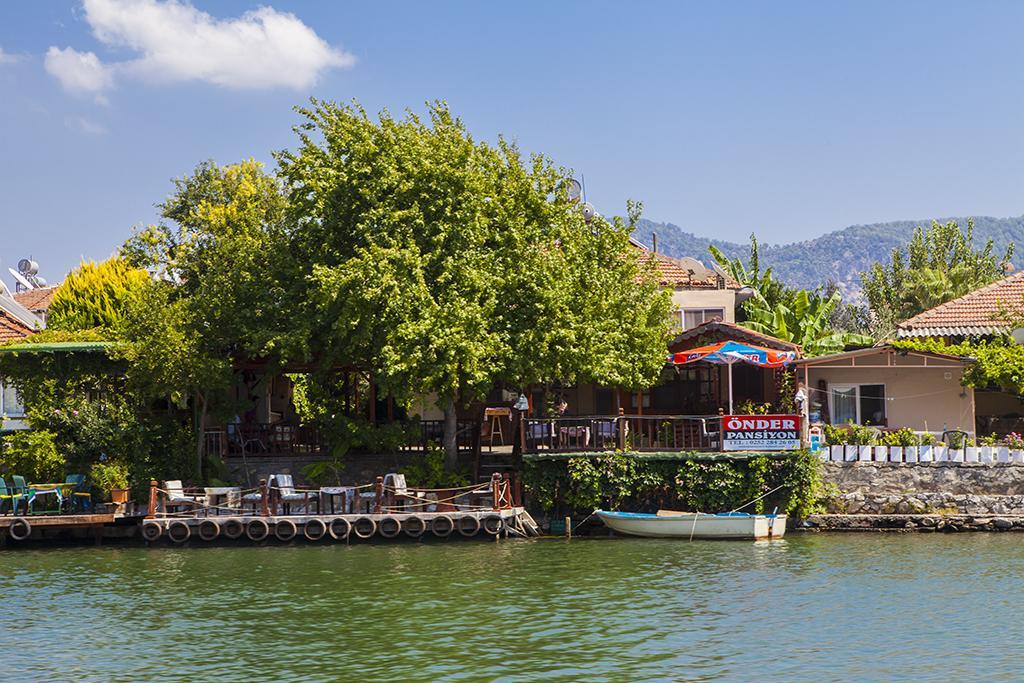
{"points": [[219, 257], [939, 264], [447, 264]]}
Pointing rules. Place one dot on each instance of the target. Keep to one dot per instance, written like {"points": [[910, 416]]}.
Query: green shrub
{"points": [[629, 481], [32, 454], [851, 434], [109, 475], [428, 471], [901, 437]]}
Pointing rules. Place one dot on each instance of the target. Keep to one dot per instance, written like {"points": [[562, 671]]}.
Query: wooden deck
{"points": [[60, 521]]}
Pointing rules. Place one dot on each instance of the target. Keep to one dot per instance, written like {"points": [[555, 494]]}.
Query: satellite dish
{"points": [[697, 269], [4, 290], [40, 282], [588, 211], [574, 190], [1018, 336], [719, 269], [21, 279], [28, 267]]}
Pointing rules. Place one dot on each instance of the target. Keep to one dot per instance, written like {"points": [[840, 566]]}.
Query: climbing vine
{"points": [[637, 483]]}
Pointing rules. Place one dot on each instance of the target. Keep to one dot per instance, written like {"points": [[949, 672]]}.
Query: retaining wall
{"points": [[925, 488]]}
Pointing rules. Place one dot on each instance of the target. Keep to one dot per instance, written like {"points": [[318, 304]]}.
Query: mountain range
{"points": [[840, 255]]}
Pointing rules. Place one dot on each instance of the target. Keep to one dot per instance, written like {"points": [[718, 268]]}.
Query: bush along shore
{"points": [[642, 482]]}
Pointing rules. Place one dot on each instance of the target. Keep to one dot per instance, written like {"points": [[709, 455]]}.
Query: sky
{"points": [[790, 119]]}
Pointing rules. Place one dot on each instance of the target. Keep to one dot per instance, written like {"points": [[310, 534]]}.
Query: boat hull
{"points": [[696, 525]]}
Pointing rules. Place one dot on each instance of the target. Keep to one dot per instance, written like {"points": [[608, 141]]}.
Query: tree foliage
{"points": [[939, 264], [806, 321], [94, 296], [447, 264]]}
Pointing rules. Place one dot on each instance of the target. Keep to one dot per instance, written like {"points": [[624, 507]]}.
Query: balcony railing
{"points": [[623, 432]]}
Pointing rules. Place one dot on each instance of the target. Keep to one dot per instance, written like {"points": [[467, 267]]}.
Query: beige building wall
{"points": [[725, 299], [922, 398]]}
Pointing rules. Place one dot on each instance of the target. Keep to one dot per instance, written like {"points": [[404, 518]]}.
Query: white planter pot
{"points": [[956, 455], [940, 454], [1017, 456], [895, 453], [1002, 454], [910, 454], [924, 453], [864, 453], [836, 453], [850, 452], [986, 454], [971, 454]]}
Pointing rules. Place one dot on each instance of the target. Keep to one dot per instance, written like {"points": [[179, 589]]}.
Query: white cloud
{"points": [[85, 125], [78, 71], [8, 58], [176, 42]]}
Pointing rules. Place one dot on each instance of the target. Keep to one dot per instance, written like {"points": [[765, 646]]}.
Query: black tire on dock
{"points": [[314, 529], [493, 524], [20, 529], [469, 526], [151, 530], [442, 526], [257, 529], [232, 528], [179, 531], [414, 526], [339, 528], [364, 527], [389, 527], [285, 530], [208, 529]]}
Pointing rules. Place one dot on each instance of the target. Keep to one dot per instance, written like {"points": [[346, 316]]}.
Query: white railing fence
{"points": [[917, 454]]}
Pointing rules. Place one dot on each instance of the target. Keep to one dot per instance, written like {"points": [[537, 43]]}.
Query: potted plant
{"points": [[112, 477]]}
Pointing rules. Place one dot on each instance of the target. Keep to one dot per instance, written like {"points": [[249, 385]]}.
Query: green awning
{"points": [[58, 347]]}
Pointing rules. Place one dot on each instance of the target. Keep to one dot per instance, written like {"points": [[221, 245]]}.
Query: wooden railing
{"points": [[623, 432], [432, 434]]}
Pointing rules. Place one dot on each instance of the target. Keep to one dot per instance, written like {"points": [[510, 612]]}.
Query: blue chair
{"points": [[80, 496], [10, 495]]}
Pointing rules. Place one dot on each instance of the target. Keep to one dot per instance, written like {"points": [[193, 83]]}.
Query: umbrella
{"points": [[729, 352]]}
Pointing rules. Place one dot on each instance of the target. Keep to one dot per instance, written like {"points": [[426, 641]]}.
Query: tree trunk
{"points": [[451, 441], [200, 442]]}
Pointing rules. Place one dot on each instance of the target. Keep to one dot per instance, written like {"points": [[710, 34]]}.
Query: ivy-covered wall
{"points": [[644, 483]]}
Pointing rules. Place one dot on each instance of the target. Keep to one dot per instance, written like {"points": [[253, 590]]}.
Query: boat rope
{"points": [[763, 495]]}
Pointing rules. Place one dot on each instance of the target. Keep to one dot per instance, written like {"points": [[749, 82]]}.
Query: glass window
{"points": [[10, 402], [862, 404], [697, 316]]}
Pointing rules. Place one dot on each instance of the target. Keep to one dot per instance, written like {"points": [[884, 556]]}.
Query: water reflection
{"points": [[812, 607]]}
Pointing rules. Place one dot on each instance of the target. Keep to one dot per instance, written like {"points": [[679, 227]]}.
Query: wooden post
{"points": [[506, 492], [495, 491], [568, 527], [379, 489], [620, 431], [721, 430], [517, 500], [264, 498], [522, 431], [151, 512]]}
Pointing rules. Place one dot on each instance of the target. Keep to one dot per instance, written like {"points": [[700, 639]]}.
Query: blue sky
{"points": [[789, 118]]}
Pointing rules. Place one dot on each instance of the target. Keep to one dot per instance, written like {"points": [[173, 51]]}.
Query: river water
{"points": [[813, 607]]}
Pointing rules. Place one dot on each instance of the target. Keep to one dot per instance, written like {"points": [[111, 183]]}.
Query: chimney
{"points": [[654, 242]]}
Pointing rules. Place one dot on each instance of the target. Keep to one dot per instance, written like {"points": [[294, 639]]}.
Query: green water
{"points": [[812, 607]]}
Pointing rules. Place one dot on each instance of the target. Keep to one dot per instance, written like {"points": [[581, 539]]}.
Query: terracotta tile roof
{"points": [[36, 300], [11, 328], [977, 313], [721, 331], [672, 273]]}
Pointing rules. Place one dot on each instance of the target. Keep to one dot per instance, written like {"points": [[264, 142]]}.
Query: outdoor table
{"points": [[61, 489], [328, 493], [229, 496]]}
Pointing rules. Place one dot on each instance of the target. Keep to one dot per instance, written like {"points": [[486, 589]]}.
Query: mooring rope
{"points": [[764, 495]]}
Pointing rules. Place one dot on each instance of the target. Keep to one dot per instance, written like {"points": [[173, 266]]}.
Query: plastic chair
{"points": [[10, 495], [80, 498]]}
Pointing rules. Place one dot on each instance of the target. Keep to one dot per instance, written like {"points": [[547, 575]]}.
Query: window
{"points": [[862, 404], [10, 402], [697, 316]]}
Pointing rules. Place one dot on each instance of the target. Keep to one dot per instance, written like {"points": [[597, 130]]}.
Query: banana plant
{"points": [[805, 322]]}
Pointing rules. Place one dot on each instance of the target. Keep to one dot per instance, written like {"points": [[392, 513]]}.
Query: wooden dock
{"points": [[38, 527]]}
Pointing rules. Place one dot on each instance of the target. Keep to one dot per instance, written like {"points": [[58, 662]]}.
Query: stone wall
{"points": [[357, 468], [925, 488]]}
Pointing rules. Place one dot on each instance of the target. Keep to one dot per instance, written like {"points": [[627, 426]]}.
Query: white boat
{"points": [[671, 524]]}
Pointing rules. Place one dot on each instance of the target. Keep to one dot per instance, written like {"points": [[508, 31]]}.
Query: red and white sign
{"points": [[760, 432]]}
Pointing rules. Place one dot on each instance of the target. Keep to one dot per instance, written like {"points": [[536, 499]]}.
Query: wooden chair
{"points": [[178, 498]]}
